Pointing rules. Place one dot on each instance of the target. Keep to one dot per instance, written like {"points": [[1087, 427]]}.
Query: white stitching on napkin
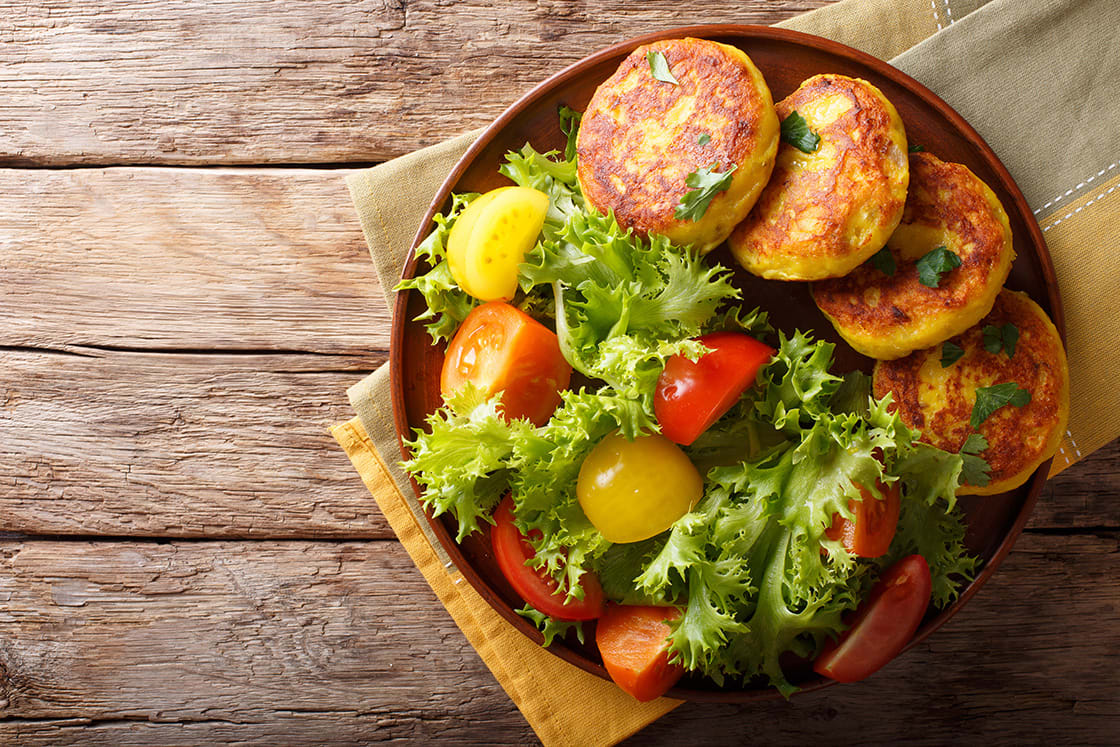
{"points": [[1064, 455], [933, 4], [1071, 213], [1083, 184], [948, 12], [1069, 435]]}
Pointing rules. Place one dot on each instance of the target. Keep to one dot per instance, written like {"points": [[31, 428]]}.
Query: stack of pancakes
{"points": [[854, 213]]}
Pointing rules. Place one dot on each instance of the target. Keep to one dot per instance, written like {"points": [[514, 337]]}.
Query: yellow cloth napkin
{"points": [[563, 704], [1037, 78]]}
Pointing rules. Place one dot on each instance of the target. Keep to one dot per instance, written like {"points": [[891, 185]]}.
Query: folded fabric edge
{"points": [[368, 398], [899, 24], [1086, 221], [504, 649], [354, 440], [390, 225]]}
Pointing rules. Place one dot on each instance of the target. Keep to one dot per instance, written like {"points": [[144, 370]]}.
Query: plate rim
{"points": [[717, 32]]}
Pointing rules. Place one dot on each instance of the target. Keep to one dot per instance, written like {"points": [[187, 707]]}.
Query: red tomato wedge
{"points": [[691, 395], [512, 550], [631, 640], [883, 624], [500, 348], [870, 534]]}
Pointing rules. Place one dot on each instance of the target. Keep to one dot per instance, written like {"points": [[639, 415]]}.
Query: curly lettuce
{"points": [[750, 566], [462, 459], [446, 305]]}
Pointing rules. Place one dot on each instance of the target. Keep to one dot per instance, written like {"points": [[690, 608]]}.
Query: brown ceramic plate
{"points": [[785, 58]]}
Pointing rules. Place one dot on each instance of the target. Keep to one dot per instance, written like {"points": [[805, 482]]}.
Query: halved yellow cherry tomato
{"points": [[506, 228], [460, 235], [632, 490]]}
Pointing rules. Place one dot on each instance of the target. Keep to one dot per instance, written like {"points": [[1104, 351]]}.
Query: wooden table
{"points": [[186, 555]]}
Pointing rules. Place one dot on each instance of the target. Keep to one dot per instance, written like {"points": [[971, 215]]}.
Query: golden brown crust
{"points": [[640, 139], [939, 400], [888, 316], [825, 212]]}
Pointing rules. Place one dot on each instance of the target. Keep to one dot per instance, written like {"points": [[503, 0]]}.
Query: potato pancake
{"points": [[938, 399], [825, 212], [888, 315], [642, 137]]}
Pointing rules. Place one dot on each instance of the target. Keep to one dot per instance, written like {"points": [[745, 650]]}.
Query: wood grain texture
{"points": [[174, 343], [344, 643], [300, 641], [153, 444], [187, 259], [99, 442], [266, 81], [1084, 497]]}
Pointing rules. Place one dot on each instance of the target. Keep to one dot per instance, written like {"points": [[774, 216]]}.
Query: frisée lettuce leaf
{"points": [[750, 565], [445, 304], [469, 456], [625, 305], [621, 304], [462, 459]]}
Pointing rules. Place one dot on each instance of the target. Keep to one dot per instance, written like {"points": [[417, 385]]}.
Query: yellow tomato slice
{"points": [[506, 228], [632, 490], [460, 236]]}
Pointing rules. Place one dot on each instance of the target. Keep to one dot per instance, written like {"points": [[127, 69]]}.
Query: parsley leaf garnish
{"points": [[934, 264], [974, 444], [1001, 338], [659, 68], [884, 262], [974, 469], [569, 125], [1010, 339], [703, 139], [706, 184], [796, 132], [991, 398], [917, 148], [950, 354], [993, 339]]}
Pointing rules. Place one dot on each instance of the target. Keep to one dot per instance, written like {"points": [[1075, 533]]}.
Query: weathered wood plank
{"points": [[265, 81], [186, 258], [180, 445], [153, 444], [347, 636], [1085, 495], [500, 725], [311, 642]]}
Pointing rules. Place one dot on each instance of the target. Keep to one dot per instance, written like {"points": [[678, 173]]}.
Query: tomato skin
{"points": [[883, 624], [632, 490], [631, 640], [690, 396], [500, 348], [512, 550], [504, 232], [490, 238], [459, 238], [870, 534]]}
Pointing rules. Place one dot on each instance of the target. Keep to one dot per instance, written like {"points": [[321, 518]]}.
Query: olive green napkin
{"points": [[1039, 79]]}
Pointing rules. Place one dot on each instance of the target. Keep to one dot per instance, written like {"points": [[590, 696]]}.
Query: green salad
{"points": [[751, 570]]}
